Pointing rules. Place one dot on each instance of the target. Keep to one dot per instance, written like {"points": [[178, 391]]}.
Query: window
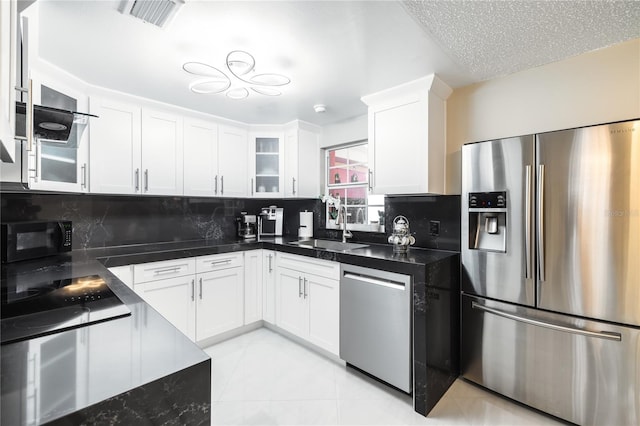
{"points": [[348, 181]]}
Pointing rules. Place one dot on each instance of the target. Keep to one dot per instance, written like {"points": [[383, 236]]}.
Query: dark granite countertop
{"points": [[109, 358], [379, 256], [49, 377]]}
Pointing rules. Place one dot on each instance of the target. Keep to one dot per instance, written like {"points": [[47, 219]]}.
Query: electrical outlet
{"points": [[434, 228]]}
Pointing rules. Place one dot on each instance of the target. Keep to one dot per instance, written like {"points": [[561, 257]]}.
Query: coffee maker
{"points": [[270, 221], [246, 225]]}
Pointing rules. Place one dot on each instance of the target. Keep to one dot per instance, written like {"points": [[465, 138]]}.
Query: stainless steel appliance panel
{"points": [[588, 222], [500, 165], [580, 370], [375, 323]]}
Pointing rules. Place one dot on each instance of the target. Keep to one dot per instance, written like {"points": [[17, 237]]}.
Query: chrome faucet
{"points": [[345, 234]]}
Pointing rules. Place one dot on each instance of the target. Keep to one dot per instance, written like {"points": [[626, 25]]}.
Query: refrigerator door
{"points": [[497, 244], [582, 371], [588, 222]]}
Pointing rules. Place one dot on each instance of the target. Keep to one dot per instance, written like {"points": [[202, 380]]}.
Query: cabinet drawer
{"points": [[217, 262], [309, 265], [164, 269]]}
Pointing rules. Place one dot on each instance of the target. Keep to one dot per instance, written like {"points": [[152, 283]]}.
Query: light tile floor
{"points": [[263, 378]]}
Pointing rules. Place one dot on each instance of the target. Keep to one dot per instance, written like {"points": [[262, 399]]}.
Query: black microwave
{"points": [[31, 240]]}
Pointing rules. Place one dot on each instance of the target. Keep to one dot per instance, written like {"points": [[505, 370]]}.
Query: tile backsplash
{"points": [[110, 220]]}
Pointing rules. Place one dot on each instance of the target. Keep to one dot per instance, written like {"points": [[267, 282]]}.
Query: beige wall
{"points": [[596, 87]]}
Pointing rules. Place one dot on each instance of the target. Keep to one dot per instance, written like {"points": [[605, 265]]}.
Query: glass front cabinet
{"points": [[267, 164], [60, 165]]}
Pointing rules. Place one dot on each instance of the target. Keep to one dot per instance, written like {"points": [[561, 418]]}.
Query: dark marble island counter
{"points": [[137, 368]]}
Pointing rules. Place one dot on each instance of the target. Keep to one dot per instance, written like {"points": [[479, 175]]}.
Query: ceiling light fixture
{"points": [[319, 108], [241, 66]]}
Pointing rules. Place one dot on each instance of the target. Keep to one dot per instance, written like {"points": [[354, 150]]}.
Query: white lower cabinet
{"points": [[269, 286], [172, 298], [206, 296], [253, 286], [308, 305], [219, 303]]}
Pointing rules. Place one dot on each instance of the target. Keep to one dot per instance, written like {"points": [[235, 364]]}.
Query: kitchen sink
{"points": [[328, 245]]}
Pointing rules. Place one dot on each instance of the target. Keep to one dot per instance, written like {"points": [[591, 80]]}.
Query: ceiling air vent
{"points": [[156, 12]]}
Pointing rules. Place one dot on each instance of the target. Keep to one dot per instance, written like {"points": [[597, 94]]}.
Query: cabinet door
{"points": [[291, 175], [200, 158], [322, 297], [219, 302], [302, 164], [56, 165], [267, 163], [308, 183], [172, 298], [290, 307], [8, 32], [252, 286], [394, 130], [269, 286], [115, 147], [233, 159], [162, 153]]}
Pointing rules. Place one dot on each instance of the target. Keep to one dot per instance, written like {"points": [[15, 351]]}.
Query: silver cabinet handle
{"points": [[167, 270], [193, 290], [221, 185], [299, 286], [252, 187], [220, 262], [30, 115], [293, 185], [137, 180], [557, 327], [83, 183], [146, 180], [370, 179], [306, 291], [36, 168], [270, 268], [215, 180], [527, 221], [540, 230], [200, 288]]}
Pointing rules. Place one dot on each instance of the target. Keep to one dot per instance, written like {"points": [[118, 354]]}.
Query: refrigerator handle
{"points": [[607, 335], [540, 227], [527, 222]]}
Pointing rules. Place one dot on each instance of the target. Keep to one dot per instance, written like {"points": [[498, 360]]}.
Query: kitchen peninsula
{"points": [[140, 366]]}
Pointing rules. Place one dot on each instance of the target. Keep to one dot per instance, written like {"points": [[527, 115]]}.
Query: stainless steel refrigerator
{"points": [[551, 271]]}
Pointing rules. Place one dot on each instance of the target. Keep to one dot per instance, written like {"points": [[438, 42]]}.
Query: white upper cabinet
{"points": [[267, 163], [8, 57], [302, 161], [233, 155], [162, 153], [135, 150], [59, 165], [407, 139], [200, 157], [115, 147]]}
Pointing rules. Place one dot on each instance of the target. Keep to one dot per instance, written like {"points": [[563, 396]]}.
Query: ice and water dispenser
{"points": [[488, 221]]}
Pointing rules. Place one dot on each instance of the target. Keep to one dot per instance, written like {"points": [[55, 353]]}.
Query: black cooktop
{"points": [[35, 310]]}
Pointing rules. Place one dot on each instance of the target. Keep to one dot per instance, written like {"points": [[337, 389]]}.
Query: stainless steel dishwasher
{"points": [[375, 323]]}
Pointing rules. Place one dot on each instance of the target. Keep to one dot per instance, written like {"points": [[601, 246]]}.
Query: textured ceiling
{"points": [[495, 38]]}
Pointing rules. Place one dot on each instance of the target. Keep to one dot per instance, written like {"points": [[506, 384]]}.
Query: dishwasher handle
{"points": [[374, 280]]}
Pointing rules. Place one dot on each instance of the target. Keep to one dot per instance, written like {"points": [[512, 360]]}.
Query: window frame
{"points": [[345, 186]]}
